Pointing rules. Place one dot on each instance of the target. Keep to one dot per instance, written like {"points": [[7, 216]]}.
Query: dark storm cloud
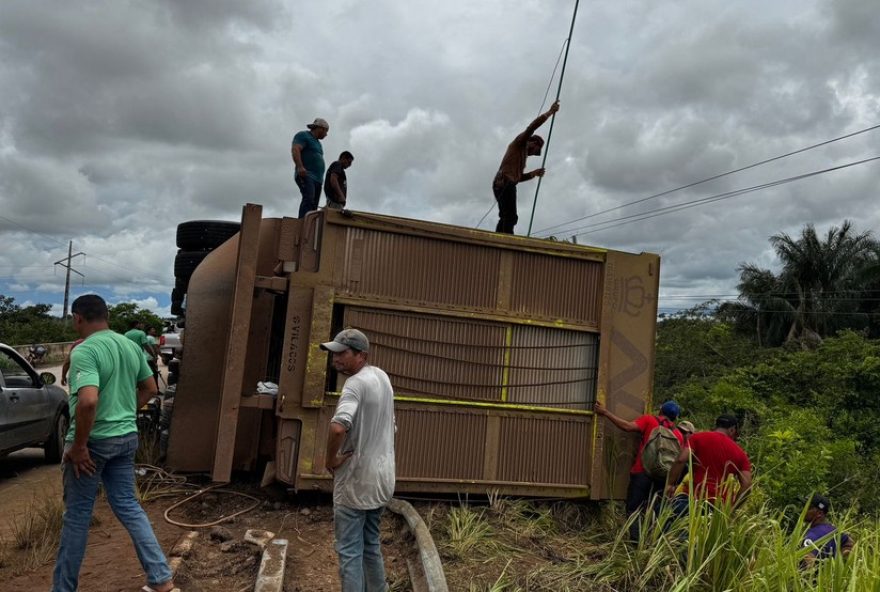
{"points": [[120, 119]]}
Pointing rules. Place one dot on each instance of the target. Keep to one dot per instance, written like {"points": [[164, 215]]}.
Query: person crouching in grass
{"points": [[817, 538]]}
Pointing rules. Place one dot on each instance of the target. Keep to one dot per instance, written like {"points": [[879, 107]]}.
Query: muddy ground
{"points": [[215, 565], [491, 543]]}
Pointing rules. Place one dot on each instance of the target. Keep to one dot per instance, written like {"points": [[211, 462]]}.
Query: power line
{"points": [[615, 222], [770, 293], [816, 312], [127, 267], [23, 227], [737, 299], [712, 178]]}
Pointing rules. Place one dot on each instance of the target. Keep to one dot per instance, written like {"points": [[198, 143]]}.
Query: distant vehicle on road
{"points": [[36, 353], [171, 343], [33, 411]]}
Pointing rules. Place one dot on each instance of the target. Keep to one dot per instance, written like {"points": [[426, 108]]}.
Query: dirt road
{"points": [[24, 475], [111, 564]]}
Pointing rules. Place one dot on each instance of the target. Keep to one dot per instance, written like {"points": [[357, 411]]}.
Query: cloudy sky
{"points": [[120, 119]]}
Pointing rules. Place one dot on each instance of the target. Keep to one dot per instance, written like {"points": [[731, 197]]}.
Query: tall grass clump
{"points": [[35, 532], [467, 530], [721, 548]]}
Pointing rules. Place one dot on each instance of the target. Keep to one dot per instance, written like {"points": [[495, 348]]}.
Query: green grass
{"points": [[518, 545], [468, 531], [722, 549]]}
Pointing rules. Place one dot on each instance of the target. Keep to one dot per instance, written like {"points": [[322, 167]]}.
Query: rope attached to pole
{"points": [[553, 119]]}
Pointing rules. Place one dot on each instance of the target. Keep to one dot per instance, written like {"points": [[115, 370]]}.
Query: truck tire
{"points": [[177, 295], [177, 308], [204, 235], [186, 262]]}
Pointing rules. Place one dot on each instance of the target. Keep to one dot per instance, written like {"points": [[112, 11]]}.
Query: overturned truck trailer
{"points": [[497, 347]]}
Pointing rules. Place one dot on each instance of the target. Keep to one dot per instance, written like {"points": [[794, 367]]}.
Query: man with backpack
{"points": [[660, 445]]}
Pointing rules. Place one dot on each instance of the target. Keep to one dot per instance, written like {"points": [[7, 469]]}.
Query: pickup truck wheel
{"points": [[54, 448], [166, 358], [198, 235]]}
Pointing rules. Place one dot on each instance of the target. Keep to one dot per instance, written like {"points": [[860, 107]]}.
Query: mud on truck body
{"points": [[497, 347]]}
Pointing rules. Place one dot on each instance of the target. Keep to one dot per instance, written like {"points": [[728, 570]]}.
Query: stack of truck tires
{"points": [[195, 239]]}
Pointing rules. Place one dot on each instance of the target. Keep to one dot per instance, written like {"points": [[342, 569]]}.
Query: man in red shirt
{"points": [[641, 485], [716, 456]]}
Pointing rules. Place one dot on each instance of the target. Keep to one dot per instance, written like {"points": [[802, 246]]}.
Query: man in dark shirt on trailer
{"points": [[335, 184]]}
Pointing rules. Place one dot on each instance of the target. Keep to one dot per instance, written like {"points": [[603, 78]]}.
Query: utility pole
{"points": [[66, 263], [553, 120]]}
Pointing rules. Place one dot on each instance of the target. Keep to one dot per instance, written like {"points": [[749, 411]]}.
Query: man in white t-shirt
{"points": [[360, 455]]}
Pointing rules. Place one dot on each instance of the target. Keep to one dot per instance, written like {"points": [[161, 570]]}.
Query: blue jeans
{"points": [[360, 553], [311, 193], [114, 459]]}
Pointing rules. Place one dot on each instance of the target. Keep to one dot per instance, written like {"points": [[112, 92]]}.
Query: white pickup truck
{"points": [[171, 343]]}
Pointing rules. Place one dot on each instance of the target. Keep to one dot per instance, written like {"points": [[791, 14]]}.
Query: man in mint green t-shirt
{"points": [[137, 335], [109, 381]]}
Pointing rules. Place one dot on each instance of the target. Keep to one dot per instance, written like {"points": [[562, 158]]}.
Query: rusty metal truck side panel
{"points": [[497, 348]]}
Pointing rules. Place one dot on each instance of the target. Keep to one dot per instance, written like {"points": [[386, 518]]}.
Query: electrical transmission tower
{"points": [[66, 263]]}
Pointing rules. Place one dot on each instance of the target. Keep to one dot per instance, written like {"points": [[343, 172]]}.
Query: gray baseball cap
{"points": [[319, 122], [345, 339]]}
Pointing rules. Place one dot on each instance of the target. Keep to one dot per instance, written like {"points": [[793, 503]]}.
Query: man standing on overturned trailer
{"points": [[512, 170], [335, 184], [360, 455], [308, 158]]}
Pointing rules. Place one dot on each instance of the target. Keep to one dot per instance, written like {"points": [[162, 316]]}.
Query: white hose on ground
{"points": [[431, 564]]}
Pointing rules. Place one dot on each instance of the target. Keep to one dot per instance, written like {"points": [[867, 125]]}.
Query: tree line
{"points": [[797, 359], [34, 323], [826, 284]]}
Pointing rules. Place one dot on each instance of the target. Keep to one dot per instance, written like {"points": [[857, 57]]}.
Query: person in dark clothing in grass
{"points": [[820, 528]]}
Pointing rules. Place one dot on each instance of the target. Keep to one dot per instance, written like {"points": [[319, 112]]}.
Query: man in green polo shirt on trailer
{"points": [[109, 381]]}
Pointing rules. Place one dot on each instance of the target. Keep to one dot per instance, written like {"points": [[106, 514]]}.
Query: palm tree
{"points": [[869, 279], [817, 292], [761, 305], [823, 276]]}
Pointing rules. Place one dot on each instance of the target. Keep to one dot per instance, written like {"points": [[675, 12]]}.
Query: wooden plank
{"points": [[236, 348], [288, 239]]}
